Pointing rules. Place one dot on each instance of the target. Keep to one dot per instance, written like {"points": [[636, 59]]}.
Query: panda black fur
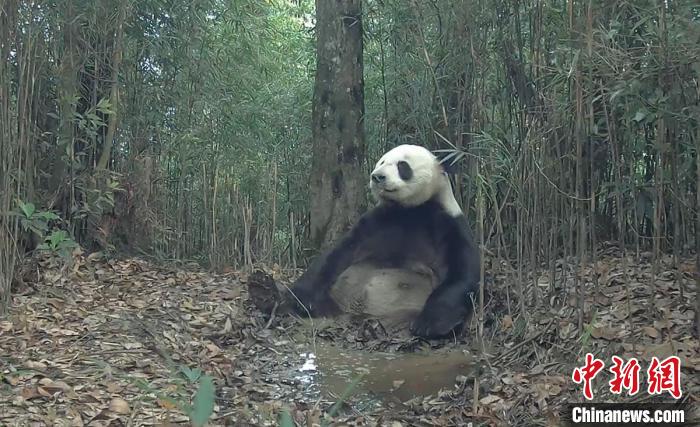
{"points": [[410, 259]]}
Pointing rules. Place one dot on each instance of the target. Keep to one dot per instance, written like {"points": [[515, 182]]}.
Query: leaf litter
{"points": [[124, 342]]}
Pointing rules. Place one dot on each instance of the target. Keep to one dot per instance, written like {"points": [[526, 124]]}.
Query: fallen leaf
{"points": [[507, 322], [227, 327], [604, 332], [620, 312], [30, 392], [661, 351], [695, 363], [65, 332], [651, 331], [132, 345], [54, 386], [44, 391], [38, 366], [490, 399], [56, 303], [5, 326], [508, 380], [17, 379], [662, 324], [119, 406], [139, 303], [213, 348], [114, 387], [167, 404]]}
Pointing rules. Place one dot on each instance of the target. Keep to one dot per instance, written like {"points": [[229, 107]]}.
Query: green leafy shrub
{"points": [[33, 221]]}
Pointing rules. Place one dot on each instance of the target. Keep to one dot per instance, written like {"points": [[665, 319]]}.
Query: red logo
{"points": [[665, 376], [626, 375], [587, 373], [662, 376]]}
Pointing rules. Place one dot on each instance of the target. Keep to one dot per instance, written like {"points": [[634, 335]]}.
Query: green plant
{"points": [[34, 221], [587, 331], [203, 402], [286, 419], [348, 391], [202, 406], [39, 223], [58, 241]]}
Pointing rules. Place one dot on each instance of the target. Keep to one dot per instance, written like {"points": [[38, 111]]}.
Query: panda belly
{"points": [[394, 294]]}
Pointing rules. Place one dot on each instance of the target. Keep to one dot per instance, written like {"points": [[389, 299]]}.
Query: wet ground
{"points": [[375, 378]]}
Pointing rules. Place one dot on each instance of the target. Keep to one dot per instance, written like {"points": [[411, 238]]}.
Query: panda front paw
{"points": [[304, 299], [431, 325], [309, 302]]}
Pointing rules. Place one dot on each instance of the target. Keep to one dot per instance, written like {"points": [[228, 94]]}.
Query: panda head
{"points": [[410, 175]]}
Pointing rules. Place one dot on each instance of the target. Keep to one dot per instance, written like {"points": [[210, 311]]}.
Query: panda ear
{"points": [[447, 166], [449, 160]]}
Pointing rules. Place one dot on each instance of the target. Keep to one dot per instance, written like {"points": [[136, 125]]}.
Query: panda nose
{"points": [[378, 178]]}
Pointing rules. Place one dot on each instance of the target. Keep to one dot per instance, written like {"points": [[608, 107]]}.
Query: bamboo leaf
{"points": [[203, 404]]}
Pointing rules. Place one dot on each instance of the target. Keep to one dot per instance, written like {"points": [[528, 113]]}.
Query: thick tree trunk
{"points": [[67, 89], [337, 181]]}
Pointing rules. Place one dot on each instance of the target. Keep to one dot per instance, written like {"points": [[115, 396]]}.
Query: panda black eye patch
{"points": [[405, 171]]}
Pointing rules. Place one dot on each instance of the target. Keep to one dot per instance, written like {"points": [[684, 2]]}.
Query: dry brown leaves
{"points": [[628, 313], [101, 343]]}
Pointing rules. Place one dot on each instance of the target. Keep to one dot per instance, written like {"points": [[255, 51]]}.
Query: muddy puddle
{"points": [[375, 378]]}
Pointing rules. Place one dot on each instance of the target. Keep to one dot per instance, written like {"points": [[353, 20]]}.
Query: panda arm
{"points": [[449, 304], [313, 286]]}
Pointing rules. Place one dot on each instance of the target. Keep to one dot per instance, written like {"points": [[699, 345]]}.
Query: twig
{"points": [[272, 315], [524, 342], [308, 313]]}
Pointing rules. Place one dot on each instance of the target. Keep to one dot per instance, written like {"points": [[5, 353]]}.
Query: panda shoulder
{"points": [[455, 224], [373, 220]]}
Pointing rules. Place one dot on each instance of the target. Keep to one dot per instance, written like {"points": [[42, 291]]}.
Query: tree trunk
{"points": [[103, 162], [697, 233], [337, 181], [9, 147]]}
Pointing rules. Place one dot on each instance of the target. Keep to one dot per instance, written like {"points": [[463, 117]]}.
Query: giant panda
{"points": [[410, 261]]}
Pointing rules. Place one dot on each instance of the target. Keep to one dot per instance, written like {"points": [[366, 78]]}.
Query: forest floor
{"points": [[98, 342]]}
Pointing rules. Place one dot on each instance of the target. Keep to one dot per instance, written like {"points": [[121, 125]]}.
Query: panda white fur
{"points": [[410, 260]]}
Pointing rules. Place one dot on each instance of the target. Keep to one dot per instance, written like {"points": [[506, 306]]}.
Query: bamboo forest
{"points": [[350, 212]]}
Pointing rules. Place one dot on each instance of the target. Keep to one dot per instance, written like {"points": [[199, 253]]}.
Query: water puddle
{"points": [[329, 371]]}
